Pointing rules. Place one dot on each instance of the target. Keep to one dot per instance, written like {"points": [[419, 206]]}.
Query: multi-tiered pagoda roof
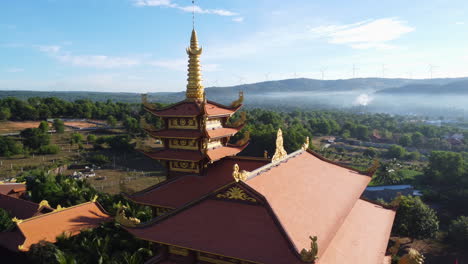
{"points": [[291, 208]]}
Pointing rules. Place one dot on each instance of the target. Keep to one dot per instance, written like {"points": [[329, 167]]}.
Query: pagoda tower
{"points": [[196, 131]]}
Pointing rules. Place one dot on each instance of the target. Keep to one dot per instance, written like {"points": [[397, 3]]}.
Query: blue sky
{"points": [[139, 45]]}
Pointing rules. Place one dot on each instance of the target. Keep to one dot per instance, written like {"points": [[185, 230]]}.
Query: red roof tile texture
{"points": [[310, 197], [358, 240], [183, 108], [48, 226], [221, 132], [184, 189], [230, 229], [175, 154], [221, 152], [215, 109], [18, 208], [176, 133], [10, 188]]}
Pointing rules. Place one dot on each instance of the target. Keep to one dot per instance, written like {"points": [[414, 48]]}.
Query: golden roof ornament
{"points": [[244, 140], [413, 257], [122, 219], [280, 153], [195, 89], [241, 120], [305, 146], [239, 175], [310, 255], [239, 101]]}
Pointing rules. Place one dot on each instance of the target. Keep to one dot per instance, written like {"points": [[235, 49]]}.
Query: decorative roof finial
{"points": [[195, 88], [280, 152]]}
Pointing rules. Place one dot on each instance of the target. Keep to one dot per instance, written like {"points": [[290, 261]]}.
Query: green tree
{"points": [[10, 147], [414, 156], [414, 219], [59, 126], [44, 126], [370, 152], [396, 152], [49, 149], [362, 132], [405, 140], [34, 138], [458, 232], [417, 138], [445, 169], [111, 121], [388, 173], [5, 113], [76, 138], [91, 138], [5, 221]]}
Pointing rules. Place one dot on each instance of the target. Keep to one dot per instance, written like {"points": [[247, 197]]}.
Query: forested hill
{"points": [[220, 93], [454, 88]]}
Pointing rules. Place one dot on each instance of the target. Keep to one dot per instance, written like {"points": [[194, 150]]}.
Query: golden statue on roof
{"points": [[195, 89], [280, 152]]}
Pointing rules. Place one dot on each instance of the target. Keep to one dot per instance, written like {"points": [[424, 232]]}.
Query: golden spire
{"points": [[195, 88]]}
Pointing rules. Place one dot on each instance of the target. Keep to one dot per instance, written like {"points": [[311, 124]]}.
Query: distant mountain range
{"points": [[370, 85], [453, 88]]}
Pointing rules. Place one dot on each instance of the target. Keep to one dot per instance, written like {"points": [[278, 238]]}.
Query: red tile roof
{"points": [[18, 208], [310, 196], [358, 240], [222, 132], [175, 154], [226, 228], [176, 133], [215, 109], [221, 152], [183, 108], [9, 188], [169, 193], [48, 226]]}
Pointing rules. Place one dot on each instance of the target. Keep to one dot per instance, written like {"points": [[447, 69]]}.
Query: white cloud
{"points": [[460, 23], [365, 34], [49, 49], [98, 61], [196, 9], [238, 19]]}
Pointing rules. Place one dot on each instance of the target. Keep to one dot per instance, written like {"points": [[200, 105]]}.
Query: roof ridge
{"points": [[271, 165], [60, 210], [19, 199], [336, 163], [222, 105]]}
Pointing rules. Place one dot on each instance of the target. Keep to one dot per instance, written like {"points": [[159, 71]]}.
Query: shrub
{"points": [[5, 221], [415, 219], [458, 232], [49, 149], [59, 126], [98, 159]]}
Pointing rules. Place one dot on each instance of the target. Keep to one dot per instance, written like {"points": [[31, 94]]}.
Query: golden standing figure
{"points": [[280, 152], [195, 89], [239, 175]]}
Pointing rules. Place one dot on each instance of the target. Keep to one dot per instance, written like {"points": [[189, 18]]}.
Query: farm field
{"points": [[16, 127]]}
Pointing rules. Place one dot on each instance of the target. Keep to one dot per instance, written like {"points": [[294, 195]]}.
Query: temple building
{"points": [[216, 207], [40, 222]]}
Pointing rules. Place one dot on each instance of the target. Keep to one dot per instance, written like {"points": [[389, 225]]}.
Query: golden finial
{"points": [[239, 175], [305, 146], [310, 255], [239, 101], [280, 152], [17, 220], [195, 89], [59, 208], [413, 257], [122, 219], [94, 198]]}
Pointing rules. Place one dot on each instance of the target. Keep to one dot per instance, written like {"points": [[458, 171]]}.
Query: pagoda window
{"points": [[213, 123], [175, 143], [183, 123], [184, 166]]}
